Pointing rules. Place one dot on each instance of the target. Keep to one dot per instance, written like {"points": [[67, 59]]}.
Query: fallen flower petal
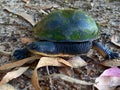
{"points": [[114, 71], [109, 79]]}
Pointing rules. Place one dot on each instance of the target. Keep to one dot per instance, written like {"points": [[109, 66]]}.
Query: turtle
{"points": [[65, 33]]}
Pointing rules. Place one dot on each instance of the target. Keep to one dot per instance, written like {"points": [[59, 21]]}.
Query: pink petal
{"points": [[114, 71], [107, 83]]}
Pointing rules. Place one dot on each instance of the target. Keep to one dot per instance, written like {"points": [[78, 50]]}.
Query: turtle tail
{"points": [[19, 54], [104, 51]]}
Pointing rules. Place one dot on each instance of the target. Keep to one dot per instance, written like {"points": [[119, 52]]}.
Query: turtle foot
{"points": [[112, 55], [104, 51], [20, 54]]}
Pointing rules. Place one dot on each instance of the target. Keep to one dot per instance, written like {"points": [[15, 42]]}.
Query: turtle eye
{"points": [[32, 46]]}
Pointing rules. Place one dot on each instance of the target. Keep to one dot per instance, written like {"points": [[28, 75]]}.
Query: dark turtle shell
{"points": [[54, 49], [66, 26], [65, 49]]}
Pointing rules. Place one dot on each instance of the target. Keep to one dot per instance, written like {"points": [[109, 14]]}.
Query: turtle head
{"points": [[41, 47]]}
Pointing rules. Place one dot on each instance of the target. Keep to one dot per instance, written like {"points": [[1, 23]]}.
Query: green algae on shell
{"points": [[66, 26]]}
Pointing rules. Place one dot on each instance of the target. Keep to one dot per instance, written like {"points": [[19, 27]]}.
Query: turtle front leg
{"points": [[104, 51], [19, 54]]}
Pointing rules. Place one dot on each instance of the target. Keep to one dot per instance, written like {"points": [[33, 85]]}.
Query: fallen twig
{"points": [[43, 7], [68, 79], [5, 52]]}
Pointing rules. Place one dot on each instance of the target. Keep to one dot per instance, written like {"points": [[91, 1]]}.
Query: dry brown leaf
{"points": [[64, 62], [46, 61], [18, 63], [115, 39], [77, 62], [34, 78], [7, 87], [25, 16], [26, 40], [13, 74], [111, 63], [51, 61]]}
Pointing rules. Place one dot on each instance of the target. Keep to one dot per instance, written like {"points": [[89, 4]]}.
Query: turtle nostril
{"points": [[34, 46]]}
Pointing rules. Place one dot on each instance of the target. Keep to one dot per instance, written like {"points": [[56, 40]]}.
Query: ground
{"points": [[13, 27]]}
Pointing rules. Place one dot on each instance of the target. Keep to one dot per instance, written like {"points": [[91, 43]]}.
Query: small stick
{"points": [[69, 79], [51, 83], [5, 52]]}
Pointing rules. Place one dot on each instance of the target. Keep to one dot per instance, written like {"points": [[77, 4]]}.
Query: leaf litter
{"points": [[78, 69], [109, 79], [115, 39], [25, 16]]}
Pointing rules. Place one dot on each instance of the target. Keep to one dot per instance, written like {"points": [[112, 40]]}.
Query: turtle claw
{"points": [[104, 51], [112, 55], [20, 54]]}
